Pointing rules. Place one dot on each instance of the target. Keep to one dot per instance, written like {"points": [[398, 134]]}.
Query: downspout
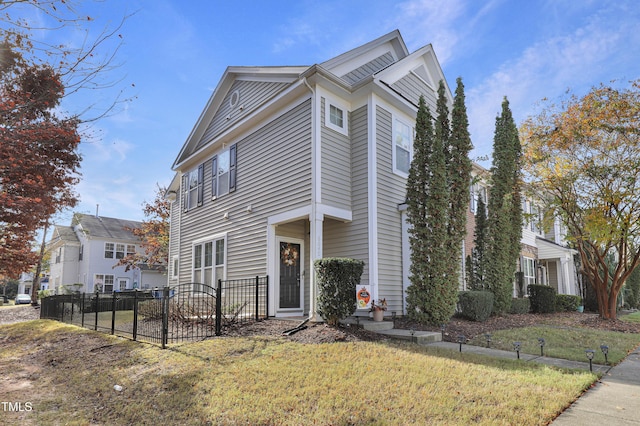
{"points": [[313, 234]]}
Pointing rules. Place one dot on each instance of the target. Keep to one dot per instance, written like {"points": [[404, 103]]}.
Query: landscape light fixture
{"points": [[605, 351], [541, 343], [413, 332], [488, 338], [393, 315], [590, 354], [461, 340], [516, 347], [442, 328]]}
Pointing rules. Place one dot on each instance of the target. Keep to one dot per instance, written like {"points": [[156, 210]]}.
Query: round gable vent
{"points": [[235, 99]]}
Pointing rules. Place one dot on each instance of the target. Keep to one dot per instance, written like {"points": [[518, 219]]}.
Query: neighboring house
{"points": [[290, 164], [545, 257], [25, 282], [84, 255]]}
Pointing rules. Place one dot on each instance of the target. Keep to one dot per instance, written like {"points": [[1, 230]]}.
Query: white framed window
{"points": [[402, 139], [477, 192], [529, 269], [223, 172], [120, 250], [103, 283], [192, 188], [175, 262], [109, 250], [209, 261], [336, 116], [131, 249]]}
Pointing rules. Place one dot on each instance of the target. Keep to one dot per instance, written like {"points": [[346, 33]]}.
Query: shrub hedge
{"points": [[542, 298], [476, 305], [567, 302], [520, 306], [337, 281]]}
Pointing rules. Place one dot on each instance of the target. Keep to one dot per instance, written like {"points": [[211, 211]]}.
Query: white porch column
{"points": [[315, 252]]}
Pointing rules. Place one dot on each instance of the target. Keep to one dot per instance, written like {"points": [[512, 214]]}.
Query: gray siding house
{"points": [[290, 164], [84, 255]]}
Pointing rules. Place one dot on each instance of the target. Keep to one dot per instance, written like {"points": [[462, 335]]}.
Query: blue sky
{"points": [[174, 52]]}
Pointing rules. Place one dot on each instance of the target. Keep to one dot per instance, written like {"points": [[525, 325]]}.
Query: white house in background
{"points": [[545, 257], [83, 257]]}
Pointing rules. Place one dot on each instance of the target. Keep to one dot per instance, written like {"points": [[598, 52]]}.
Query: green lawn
{"points": [[634, 317], [69, 373], [565, 343]]}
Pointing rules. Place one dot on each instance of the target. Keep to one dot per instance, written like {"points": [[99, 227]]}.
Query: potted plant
{"points": [[378, 309]]}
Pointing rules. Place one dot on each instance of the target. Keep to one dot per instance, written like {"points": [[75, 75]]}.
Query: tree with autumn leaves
{"points": [[153, 234], [39, 161], [583, 157]]}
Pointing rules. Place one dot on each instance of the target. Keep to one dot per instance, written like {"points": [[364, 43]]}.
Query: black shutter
{"points": [[200, 183], [214, 177], [185, 192], [232, 168]]}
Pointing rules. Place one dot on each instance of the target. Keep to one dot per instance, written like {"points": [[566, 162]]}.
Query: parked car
{"points": [[22, 298]]}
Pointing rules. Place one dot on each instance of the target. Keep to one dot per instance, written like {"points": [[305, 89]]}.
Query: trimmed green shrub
{"points": [[567, 302], [476, 305], [520, 306], [337, 281], [542, 298]]}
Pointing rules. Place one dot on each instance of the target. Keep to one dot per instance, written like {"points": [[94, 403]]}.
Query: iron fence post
{"points": [[113, 312], [266, 297], [73, 305], [135, 314], [219, 308], [257, 297], [95, 326], [165, 317], [82, 310]]}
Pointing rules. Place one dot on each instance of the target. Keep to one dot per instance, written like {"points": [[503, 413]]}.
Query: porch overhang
{"points": [[549, 250]]}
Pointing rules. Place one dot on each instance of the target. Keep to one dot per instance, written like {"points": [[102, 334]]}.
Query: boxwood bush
{"points": [[475, 305], [542, 298], [567, 302], [337, 281], [520, 306]]}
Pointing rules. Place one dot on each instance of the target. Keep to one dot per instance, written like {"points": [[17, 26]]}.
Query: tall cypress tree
{"points": [[459, 177], [478, 259], [430, 295], [504, 211]]}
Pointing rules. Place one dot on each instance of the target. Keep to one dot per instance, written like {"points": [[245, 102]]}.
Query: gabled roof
{"points": [[106, 227]]}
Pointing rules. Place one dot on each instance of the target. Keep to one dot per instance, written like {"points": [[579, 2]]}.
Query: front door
{"points": [[290, 279]]}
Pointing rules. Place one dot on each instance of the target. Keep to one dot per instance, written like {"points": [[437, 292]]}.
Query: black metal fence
{"points": [[191, 311]]}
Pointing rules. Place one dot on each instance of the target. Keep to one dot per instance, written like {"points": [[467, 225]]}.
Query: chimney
{"points": [[97, 207]]}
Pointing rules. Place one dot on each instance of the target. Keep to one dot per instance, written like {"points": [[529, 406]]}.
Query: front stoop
{"points": [[386, 328]]}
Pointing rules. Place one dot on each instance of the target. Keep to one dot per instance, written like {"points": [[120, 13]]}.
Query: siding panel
{"points": [[352, 239], [273, 175], [411, 87], [336, 166]]}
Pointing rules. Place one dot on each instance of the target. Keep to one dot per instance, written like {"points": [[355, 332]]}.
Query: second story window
{"points": [[119, 251], [109, 250], [192, 185], [402, 147], [335, 116], [223, 172]]}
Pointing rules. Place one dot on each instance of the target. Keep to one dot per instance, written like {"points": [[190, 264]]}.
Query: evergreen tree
{"points": [[478, 259], [459, 177], [504, 210], [431, 297]]}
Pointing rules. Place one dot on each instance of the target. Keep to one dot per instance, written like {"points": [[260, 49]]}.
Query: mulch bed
{"points": [[323, 333]]}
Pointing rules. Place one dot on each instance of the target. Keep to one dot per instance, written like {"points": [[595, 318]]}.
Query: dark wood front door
{"points": [[290, 281]]}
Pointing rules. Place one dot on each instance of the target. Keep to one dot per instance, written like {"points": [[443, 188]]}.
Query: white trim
{"points": [[335, 212], [290, 216], [283, 312], [372, 198]]}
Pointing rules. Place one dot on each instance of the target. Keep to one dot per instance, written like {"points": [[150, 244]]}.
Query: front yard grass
{"points": [[564, 342], [69, 373]]}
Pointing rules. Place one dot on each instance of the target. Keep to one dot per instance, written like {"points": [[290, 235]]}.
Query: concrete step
{"points": [[377, 326], [419, 337]]}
